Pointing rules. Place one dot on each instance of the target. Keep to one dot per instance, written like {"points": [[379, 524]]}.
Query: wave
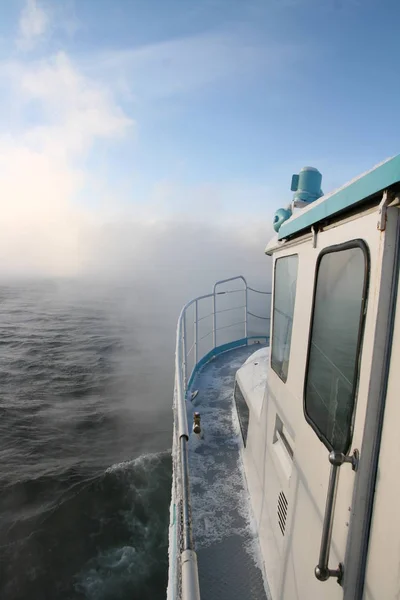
{"points": [[103, 538], [136, 566]]}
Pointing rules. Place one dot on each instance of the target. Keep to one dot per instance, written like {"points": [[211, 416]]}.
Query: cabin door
{"points": [[339, 287]]}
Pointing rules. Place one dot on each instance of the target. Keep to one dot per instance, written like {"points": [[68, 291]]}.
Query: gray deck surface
{"points": [[227, 548]]}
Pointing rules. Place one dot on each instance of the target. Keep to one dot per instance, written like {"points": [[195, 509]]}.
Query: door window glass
{"points": [[331, 377]]}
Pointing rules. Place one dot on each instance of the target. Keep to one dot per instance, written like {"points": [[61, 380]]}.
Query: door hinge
{"points": [[387, 200]]}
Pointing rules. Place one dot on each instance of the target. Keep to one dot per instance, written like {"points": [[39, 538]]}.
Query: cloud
{"points": [[42, 166], [188, 64], [44, 230], [219, 201], [175, 257], [78, 110], [61, 110], [33, 24], [39, 228]]}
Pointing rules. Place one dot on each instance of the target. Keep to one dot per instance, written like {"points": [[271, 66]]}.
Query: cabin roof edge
{"points": [[381, 177]]}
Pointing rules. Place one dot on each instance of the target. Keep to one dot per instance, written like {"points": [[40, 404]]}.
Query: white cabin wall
{"points": [[265, 471], [303, 532], [253, 457], [254, 460], [311, 456]]}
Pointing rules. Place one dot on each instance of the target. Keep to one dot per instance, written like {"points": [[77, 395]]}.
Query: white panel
{"points": [[290, 559], [383, 571]]}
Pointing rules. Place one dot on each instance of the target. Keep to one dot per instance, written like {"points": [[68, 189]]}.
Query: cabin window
{"points": [[334, 347], [284, 297]]}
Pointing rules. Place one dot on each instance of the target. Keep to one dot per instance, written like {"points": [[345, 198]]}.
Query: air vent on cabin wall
{"points": [[282, 511]]}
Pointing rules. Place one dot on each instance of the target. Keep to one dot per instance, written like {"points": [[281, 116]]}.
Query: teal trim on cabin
{"points": [[219, 350], [371, 183]]}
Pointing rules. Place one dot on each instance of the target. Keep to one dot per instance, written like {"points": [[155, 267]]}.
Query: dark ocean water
{"points": [[86, 375]]}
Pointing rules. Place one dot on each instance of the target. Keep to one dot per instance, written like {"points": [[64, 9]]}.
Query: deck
{"points": [[226, 543]]}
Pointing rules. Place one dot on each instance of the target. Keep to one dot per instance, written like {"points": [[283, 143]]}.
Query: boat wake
{"points": [[133, 561], [104, 538]]}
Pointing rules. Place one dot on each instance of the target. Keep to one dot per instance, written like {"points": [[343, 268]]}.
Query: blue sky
{"points": [[199, 109]]}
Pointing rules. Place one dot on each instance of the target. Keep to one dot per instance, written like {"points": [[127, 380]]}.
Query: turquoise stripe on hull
{"points": [[219, 350]]}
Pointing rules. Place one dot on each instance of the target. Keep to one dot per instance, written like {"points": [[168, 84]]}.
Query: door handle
{"points": [[322, 570]]}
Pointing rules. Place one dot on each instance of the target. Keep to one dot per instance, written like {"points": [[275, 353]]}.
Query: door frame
{"points": [[364, 491]]}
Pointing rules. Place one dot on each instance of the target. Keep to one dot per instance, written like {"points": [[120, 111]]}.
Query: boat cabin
{"points": [[297, 462], [321, 457]]}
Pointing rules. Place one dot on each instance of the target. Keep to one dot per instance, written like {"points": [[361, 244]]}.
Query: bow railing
{"points": [[207, 325]]}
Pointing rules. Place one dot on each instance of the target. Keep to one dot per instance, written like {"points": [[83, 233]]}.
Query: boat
{"points": [[285, 443]]}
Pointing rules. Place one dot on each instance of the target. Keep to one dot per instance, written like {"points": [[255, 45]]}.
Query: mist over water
{"points": [[86, 379], [95, 263], [85, 472]]}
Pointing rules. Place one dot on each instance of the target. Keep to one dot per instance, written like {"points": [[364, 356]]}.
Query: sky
{"points": [[136, 133]]}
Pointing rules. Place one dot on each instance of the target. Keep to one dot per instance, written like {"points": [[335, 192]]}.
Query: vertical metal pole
{"points": [[322, 571], [190, 575], [214, 321], [245, 312], [196, 333], [184, 353], [187, 520]]}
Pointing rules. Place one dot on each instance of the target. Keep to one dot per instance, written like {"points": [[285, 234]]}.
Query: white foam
{"points": [[139, 461], [213, 497]]}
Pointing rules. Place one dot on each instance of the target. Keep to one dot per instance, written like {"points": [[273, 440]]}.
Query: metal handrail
{"points": [[214, 304], [230, 325], [258, 316], [189, 571], [322, 571], [250, 289]]}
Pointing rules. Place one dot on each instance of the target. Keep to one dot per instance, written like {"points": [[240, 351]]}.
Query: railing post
{"points": [[196, 333], [190, 576], [214, 320], [184, 368], [186, 509], [245, 312]]}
